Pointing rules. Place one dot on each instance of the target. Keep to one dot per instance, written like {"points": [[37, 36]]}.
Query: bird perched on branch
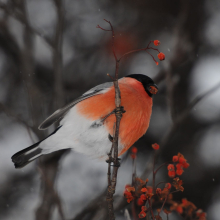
{"points": [[87, 124]]}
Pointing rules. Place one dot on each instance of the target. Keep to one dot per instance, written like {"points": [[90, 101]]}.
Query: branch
{"points": [[57, 56], [118, 114], [143, 49], [196, 101], [20, 18], [92, 207], [48, 169], [51, 165], [17, 118], [50, 187], [130, 52], [186, 112], [113, 38]]}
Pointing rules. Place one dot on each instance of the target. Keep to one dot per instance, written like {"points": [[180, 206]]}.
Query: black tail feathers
{"points": [[25, 156]]}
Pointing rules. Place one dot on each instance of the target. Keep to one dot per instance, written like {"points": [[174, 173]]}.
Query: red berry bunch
{"points": [[181, 163], [128, 193]]}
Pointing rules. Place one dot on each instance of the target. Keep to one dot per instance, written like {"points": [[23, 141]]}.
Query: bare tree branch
{"points": [[118, 113], [50, 165], [57, 56], [185, 114], [17, 118], [51, 191], [15, 14]]}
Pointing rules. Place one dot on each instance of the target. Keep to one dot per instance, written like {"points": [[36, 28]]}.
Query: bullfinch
{"points": [[87, 125]]}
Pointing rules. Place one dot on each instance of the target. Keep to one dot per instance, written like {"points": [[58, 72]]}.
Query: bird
{"points": [[87, 124]]}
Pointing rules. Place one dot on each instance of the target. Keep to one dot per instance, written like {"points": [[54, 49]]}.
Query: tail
{"points": [[24, 157]]}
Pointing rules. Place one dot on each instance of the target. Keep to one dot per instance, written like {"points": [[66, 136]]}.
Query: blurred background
{"points": [[51, 52]]}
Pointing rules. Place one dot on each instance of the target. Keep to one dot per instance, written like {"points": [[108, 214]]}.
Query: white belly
{"points": [[83, 135]]}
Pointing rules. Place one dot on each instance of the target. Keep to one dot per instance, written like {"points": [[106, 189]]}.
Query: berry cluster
{"points": [[187, 208], [160, 55], [177, 169], [146, 196], [128, 193]]}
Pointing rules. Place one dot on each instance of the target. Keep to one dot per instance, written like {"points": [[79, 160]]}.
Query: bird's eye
{"points": [[153, 90]]}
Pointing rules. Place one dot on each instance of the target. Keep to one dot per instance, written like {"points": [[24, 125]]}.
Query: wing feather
{"points": [[60, 113]]}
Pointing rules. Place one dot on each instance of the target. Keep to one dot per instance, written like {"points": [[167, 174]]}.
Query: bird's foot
{"points": [[117, 163], [112, 160], [119, 110]]}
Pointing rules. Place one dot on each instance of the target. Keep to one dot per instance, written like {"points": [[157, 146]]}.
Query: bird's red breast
{"points": [[136, 102]]}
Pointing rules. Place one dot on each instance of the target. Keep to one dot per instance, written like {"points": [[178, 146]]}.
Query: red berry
{"points": [[182, 160], [172, 174], [184, 202], [179, 166], [185, 165], [158, 191], [179, 209], [175, 158], [144, 189], [179, 172], [143, 197], [140, 202], [134, 150], [143, 208], [168, 185], [161, 56], [155, 146], [142, 214], [156, 42], [170, 167]]}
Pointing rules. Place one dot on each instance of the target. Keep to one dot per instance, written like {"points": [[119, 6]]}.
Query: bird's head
{"points": [[148, 84]]}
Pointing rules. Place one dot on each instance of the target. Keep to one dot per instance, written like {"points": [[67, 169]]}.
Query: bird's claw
{"points": [[119, 110], [112, 160]]}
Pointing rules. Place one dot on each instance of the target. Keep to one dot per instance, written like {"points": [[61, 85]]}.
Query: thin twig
{"points": [[134, 171], [53, 192], [163, 203], [151, 209], [18, 17], [118, 114], [186, 112], [164, 164], [160, 183], [154, 173], [57, 56], [138, 50], [17, 118]]}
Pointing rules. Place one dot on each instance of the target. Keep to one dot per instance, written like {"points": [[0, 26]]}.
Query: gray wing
{"points": [[60, 113]]}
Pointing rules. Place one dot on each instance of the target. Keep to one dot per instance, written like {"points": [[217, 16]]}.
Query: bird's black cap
{"points": [[146, 82]]}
